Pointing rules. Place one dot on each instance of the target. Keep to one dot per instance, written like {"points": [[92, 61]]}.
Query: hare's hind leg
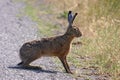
{"points": [[26, 64]]}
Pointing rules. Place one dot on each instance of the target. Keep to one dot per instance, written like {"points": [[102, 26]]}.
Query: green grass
{"points": [[45, 28], [108, 57], [106, 8], [64, 15], [104, 48]]}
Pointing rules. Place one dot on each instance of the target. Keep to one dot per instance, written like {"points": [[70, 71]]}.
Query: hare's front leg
{"points": [[65, 64]]}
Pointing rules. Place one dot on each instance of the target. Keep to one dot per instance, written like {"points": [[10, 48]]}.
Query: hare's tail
{"points": [[20, 63]]}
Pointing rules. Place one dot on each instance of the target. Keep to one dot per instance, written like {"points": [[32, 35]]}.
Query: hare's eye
{"points": [[75, 29]]}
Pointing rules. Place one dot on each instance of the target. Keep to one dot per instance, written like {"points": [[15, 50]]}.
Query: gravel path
{"points": [[14, 31]]}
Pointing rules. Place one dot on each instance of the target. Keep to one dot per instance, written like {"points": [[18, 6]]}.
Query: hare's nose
{"points": [[80, 34]]}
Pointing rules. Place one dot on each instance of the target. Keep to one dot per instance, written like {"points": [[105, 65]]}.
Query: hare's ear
{"points": [[70, 16], [74, 17]]}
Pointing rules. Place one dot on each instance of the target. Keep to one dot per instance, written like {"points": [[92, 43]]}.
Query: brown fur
{"points": [[55, 46]]}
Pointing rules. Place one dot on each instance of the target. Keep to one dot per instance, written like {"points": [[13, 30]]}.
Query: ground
{"points": [[14, 31]]}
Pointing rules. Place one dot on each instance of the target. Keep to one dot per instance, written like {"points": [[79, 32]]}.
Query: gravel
{"points": [[14, 31]]}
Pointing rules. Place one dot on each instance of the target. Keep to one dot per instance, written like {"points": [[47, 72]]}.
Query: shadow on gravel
{"points": [[37, 70]]}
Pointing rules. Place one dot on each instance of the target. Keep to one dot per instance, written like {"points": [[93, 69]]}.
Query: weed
{"points": [[64, 15]]}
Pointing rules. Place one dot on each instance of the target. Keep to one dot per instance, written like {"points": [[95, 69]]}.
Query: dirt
{"points": [[14, 31]]}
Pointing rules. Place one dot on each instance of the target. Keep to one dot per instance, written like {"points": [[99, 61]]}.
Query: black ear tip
{"points": [[76, 13], [70, 11]]}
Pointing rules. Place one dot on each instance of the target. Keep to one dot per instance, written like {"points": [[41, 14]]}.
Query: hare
{"points": [[54, 46]]}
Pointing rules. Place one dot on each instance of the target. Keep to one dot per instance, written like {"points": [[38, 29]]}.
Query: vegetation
{"points": [[99, 20], [104, 21]]}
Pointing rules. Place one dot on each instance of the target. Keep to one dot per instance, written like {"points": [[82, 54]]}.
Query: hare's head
{"points": [[73, 30]]}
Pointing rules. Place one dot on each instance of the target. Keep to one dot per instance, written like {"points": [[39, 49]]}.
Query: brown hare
{"points": [[54, 46]]}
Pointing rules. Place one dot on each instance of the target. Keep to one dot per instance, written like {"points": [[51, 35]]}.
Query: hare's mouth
{"points": [[78, 35]]}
